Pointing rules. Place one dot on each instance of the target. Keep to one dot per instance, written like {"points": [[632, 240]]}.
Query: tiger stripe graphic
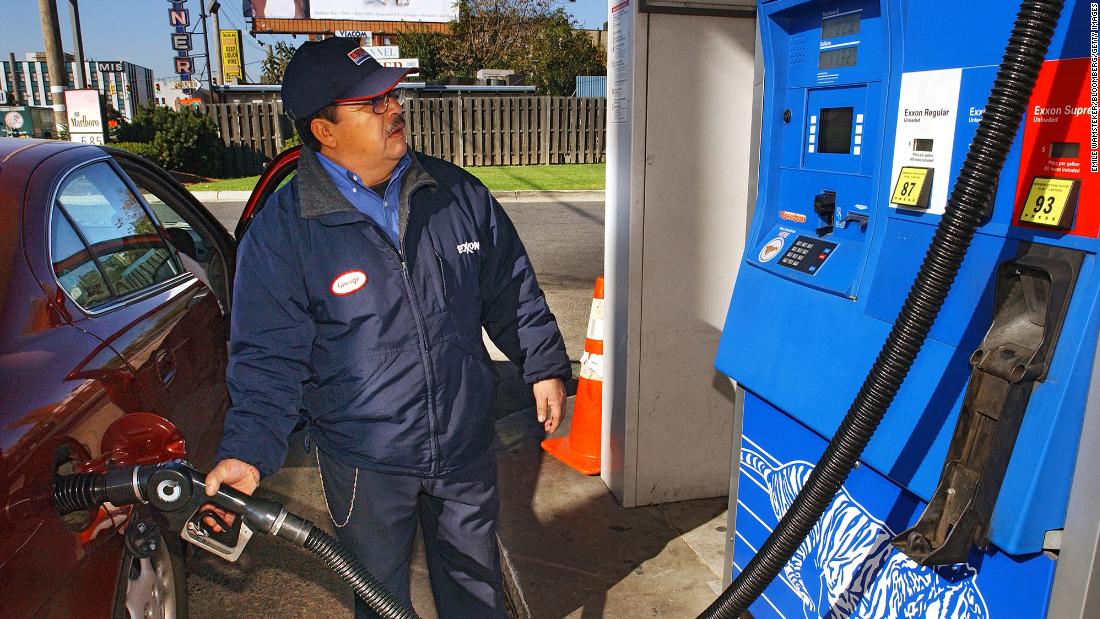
{"points": [[860, 575]]}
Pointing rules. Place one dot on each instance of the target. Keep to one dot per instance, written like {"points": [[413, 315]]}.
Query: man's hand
{"points": [[239, 475], [549, 402]]}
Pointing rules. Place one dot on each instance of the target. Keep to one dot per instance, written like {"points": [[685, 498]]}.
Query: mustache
{"points": [[398, 124]]}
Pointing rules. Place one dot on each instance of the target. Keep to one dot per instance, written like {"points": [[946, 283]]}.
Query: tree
{"points": [[531, 36], [430, 48], [557, 53], [274, 64]]}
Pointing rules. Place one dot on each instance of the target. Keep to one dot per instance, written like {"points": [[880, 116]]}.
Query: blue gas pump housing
{"points": [[868, 111]]}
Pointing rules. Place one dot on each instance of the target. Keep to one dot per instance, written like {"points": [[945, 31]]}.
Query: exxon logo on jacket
{"points": [[469, 248]]}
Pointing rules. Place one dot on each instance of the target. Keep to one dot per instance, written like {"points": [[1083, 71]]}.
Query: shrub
{"points": [[189, 142], [181, 141], [141, 149], [144, 126]]}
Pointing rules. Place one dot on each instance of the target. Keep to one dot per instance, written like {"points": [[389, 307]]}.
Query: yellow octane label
{"points": [[913, 187], [1050, 202]]}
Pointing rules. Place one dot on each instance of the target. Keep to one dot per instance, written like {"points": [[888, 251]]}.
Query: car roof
{"points": [[9, 147]]}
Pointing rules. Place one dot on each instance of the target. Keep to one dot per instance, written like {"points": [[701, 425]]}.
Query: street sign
{"points": [[232, 56], [84, 110], [110, 66]]}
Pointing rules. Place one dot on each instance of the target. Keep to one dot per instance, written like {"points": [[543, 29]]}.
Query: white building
{"points": [[126, 86], [168, 94]]}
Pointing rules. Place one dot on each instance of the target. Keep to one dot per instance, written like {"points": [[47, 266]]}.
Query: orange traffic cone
{"points": [[580, 449]]}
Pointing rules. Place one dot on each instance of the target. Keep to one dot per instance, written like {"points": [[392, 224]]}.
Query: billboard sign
{"points": [[393, 10], [84, 109], [232, 56], [110, 66]]}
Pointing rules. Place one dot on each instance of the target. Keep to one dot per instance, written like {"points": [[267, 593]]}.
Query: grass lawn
{"points": [[496, 178]]}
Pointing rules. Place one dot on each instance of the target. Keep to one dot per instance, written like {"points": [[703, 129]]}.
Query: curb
{"points": [[221, 196], [569, 195]]}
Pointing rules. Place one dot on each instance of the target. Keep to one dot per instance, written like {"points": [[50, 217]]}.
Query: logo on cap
{"points": [[358, 55]]}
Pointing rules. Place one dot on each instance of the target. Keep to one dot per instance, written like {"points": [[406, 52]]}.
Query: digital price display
{"points": [[837, 58], [840, 26], [1065, 150]]}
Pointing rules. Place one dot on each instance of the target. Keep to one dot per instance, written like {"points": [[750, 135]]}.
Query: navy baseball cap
{"points": [[335, 69]]}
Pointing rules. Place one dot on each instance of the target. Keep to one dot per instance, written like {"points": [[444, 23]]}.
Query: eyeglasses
{"points": [[381, 103]]}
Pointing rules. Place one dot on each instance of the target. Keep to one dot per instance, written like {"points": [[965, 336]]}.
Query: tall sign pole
{"points": [[55, 60], [78, 46], [206, 48]]}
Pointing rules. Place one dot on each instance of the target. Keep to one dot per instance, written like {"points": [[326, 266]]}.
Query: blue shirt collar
{"points": [[346, 180]]}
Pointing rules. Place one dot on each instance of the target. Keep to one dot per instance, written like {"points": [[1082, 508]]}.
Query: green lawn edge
{"points": [[579, 176]]}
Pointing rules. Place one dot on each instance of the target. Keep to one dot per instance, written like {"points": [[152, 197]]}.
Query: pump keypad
{"points": [[807, 254]]}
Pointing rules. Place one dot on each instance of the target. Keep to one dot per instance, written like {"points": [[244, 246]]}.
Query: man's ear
{"points": [[323, 131]]}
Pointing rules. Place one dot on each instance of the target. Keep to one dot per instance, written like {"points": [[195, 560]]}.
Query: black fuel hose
{"points": [[84, 491], [972, 193]]}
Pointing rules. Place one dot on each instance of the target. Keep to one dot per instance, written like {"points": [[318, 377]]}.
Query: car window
{"points": [[197, 246], [74, 266], [110, 220]]}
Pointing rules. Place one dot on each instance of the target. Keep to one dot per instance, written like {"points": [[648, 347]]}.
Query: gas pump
{"points": [[890, 155]]}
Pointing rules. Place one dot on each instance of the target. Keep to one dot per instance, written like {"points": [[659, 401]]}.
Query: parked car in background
{"points": [[115, 291]]}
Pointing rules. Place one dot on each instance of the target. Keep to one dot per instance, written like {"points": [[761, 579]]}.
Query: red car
{"points": [[115, 290]]}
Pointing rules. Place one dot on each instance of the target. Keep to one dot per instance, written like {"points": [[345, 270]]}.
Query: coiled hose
{"points": [[347, 567], [973, 191]]}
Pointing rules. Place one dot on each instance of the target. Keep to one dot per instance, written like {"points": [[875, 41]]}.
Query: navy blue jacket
{"points": [[380, 346]]}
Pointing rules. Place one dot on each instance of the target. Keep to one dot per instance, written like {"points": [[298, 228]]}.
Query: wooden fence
{"points": [[468, 131]]}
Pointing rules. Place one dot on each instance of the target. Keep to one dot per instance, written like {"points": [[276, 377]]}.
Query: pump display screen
{"points": [[836, 130], [922, 145], [840, 26], [1065, 150], [836, 58]]}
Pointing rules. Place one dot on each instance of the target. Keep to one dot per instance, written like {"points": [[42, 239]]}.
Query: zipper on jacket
{"points": [[421, 331], [442, 281]]}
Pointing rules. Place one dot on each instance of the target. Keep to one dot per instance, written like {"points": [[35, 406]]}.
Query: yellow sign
{"points": [[913, 188], [1051, 202], [232, 56]]}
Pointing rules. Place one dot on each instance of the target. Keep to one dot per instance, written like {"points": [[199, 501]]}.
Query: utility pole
{"points": [[55, 60], [206, 46], [78, 46], [214, 7], [14, 79]]}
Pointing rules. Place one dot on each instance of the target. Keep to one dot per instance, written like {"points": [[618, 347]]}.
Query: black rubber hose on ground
{"points": [[345, 565], [973, 191]]}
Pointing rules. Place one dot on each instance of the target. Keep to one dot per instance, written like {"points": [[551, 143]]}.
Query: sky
{"points": [[137, 31]]}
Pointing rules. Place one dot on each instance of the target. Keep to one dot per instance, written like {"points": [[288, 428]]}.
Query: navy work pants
{"points": [[457, 513]]}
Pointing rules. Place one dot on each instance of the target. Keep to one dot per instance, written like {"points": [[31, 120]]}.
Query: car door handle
{"points": [[166, 365]]}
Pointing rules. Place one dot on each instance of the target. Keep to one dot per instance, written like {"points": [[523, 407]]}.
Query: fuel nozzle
{"points": [[178, 492]]}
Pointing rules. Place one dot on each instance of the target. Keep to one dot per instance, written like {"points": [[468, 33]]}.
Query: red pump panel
{"points": [[1057, 145]]}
